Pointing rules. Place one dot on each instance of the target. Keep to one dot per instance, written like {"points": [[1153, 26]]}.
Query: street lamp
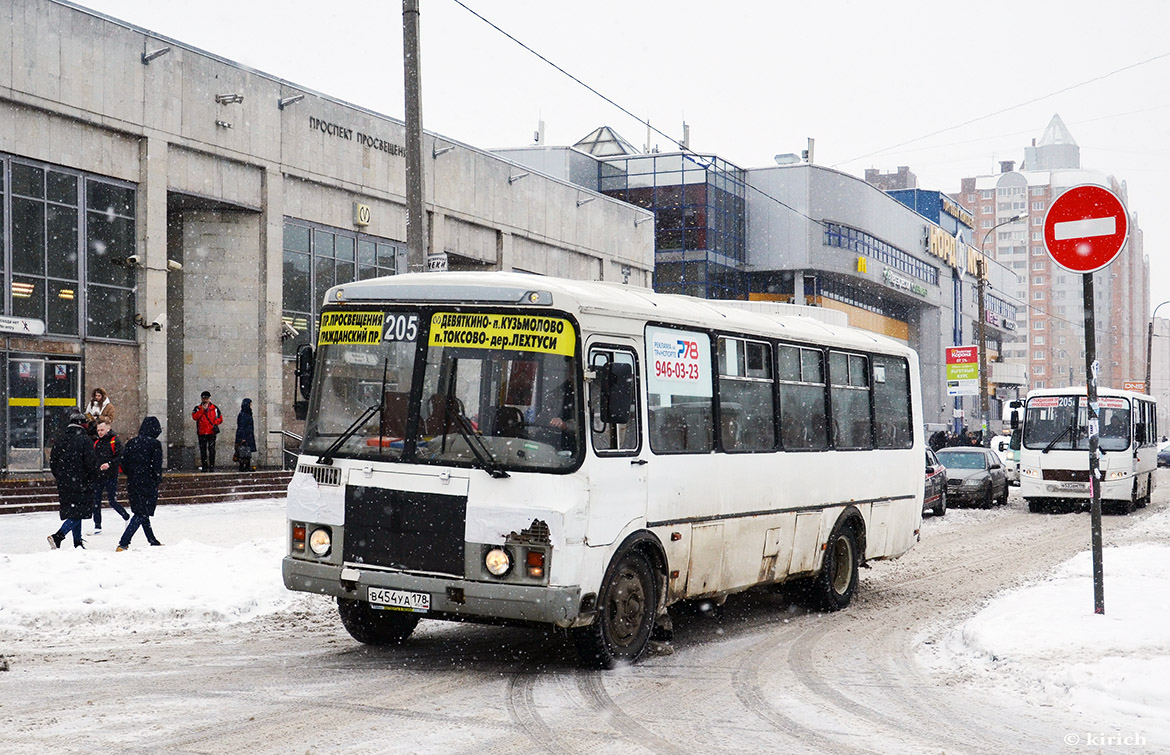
{"points": [[1150, 345], [981, 272]]}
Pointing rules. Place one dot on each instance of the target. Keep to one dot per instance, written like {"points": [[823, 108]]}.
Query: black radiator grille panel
{"points": [[404, 530]]}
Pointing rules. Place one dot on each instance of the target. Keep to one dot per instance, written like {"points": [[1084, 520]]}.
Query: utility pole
{"points": [[981, 284], [981, 272], [416, 214]]}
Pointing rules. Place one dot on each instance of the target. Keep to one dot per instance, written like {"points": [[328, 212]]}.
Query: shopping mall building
{"points": [[170, 221], [900, 263]]}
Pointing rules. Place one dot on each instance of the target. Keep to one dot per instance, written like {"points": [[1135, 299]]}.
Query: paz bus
{"points": [[1054, 458], [509, 448]]}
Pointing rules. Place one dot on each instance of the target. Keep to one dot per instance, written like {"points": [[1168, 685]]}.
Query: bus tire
{"points": [[1145, 499], [1035, 506], [370, 626], [834, 586], [620, 632]]}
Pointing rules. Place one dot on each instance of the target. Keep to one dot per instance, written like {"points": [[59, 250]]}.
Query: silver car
{"points": [[974, 475]]}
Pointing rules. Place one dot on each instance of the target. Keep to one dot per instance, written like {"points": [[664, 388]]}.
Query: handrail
{"points": [[288, 458]]}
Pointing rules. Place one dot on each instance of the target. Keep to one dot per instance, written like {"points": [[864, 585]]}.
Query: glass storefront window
{"points": [[110, 313], [336, 257]]}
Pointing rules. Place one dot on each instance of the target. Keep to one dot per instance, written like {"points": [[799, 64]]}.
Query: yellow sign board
{"points": [[548, 335], [350, 327]]}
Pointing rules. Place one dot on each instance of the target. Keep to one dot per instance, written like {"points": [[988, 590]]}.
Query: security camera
{"points": [[174, 266], [159, 322], [288, 331], [133, 260]]}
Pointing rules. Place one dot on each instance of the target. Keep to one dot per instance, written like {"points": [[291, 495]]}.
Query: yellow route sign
{"points": [[548, 335]]}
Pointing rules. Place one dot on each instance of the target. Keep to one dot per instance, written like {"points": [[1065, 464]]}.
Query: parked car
{"points": [[1002, 445], [935, 500], [1164, 454], [974, 475]]}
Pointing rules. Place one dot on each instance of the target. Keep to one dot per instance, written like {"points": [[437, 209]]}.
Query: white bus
{"points": [[1054, 458], [509, 448]]}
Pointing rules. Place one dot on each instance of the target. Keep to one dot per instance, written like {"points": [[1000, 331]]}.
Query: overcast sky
{"points": [[866, 80]]}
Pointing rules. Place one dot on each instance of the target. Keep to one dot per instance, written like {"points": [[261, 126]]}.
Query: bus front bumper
{"points": [[450, 598], [1111, 490]]}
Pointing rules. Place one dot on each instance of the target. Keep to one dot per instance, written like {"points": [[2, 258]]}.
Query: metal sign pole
{"points": [[1094, 439]]}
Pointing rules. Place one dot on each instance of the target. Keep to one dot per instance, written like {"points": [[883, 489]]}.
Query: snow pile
{"points": [[220, 564], [1043, 643]]}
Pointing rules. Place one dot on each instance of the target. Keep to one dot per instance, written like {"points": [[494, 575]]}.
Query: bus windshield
{"points": [[497, 392], [1060, 423]]}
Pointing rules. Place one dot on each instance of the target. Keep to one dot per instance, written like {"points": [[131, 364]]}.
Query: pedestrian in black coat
{"points": [[142, 463], [245, 444], [74, 466]]}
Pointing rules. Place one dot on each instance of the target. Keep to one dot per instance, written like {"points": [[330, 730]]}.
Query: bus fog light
{"points": [[497, 562], [320, 541]]}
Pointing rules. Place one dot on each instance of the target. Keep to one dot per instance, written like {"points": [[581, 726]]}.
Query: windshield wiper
{"points": [[1063, 433], [360, 422], [451, 411]]}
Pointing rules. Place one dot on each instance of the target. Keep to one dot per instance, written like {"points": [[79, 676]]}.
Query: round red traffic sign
{"points": [[1085, 228]]}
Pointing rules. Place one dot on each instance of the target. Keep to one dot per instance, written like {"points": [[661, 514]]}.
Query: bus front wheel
{"points": [[371, 626], [621, 630], [833, 588]]}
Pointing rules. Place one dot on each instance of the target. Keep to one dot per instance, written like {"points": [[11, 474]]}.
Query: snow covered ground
{"points": [[221, 565], [1043, 642]]}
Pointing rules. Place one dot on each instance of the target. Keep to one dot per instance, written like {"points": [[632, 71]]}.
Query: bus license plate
{"points": [[399, 600], [1074, 485]]}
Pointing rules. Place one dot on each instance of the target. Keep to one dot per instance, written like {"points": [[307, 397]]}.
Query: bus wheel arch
{"points": [[630, 606], [844, 552]]}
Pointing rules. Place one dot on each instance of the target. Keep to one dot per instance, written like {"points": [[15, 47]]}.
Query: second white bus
{"points": [[1054, 448]]}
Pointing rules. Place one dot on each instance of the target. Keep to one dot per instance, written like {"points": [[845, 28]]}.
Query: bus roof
{"points": [[602, 298], [1080, 390]]}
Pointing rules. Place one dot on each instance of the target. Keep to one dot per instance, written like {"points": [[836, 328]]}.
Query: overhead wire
{"points": [[1032, 101], [687, 153], [698, 159]]}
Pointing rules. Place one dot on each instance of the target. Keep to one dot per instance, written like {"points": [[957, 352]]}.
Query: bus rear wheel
{"points": [[371, 626], [621, 630], [833, 588]]}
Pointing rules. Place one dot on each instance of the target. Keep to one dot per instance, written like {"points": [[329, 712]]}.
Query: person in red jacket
{"points": [[207, 421]]}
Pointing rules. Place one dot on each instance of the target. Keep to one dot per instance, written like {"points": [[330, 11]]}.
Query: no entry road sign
{"points": [[1085, 229]]}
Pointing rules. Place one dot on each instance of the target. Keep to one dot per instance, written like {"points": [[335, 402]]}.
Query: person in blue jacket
{"points": [[142, 463]]}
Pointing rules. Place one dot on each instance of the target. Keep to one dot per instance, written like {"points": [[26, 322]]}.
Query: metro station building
{"points": [[170, 220]]}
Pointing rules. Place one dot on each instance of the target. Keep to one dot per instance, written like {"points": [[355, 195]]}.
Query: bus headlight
{"points": [[320, 541], [1117, 475], [1030, 471], [497, 561]]}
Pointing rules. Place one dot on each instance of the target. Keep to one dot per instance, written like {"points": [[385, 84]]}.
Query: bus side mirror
{"points": [[616, 381], [304, 370], [304, 375], [1015, 420]]}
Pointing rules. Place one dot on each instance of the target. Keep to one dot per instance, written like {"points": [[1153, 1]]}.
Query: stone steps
{"points": [[18, 496]]}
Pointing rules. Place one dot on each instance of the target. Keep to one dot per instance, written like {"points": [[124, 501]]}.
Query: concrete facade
{"points": [[218, 167]]}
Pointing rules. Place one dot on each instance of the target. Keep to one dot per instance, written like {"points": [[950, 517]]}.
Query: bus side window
{"points": [[611, 438]]}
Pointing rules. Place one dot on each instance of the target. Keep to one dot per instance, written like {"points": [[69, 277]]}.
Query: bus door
{"points": [[41, 394], [617, 457]]}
